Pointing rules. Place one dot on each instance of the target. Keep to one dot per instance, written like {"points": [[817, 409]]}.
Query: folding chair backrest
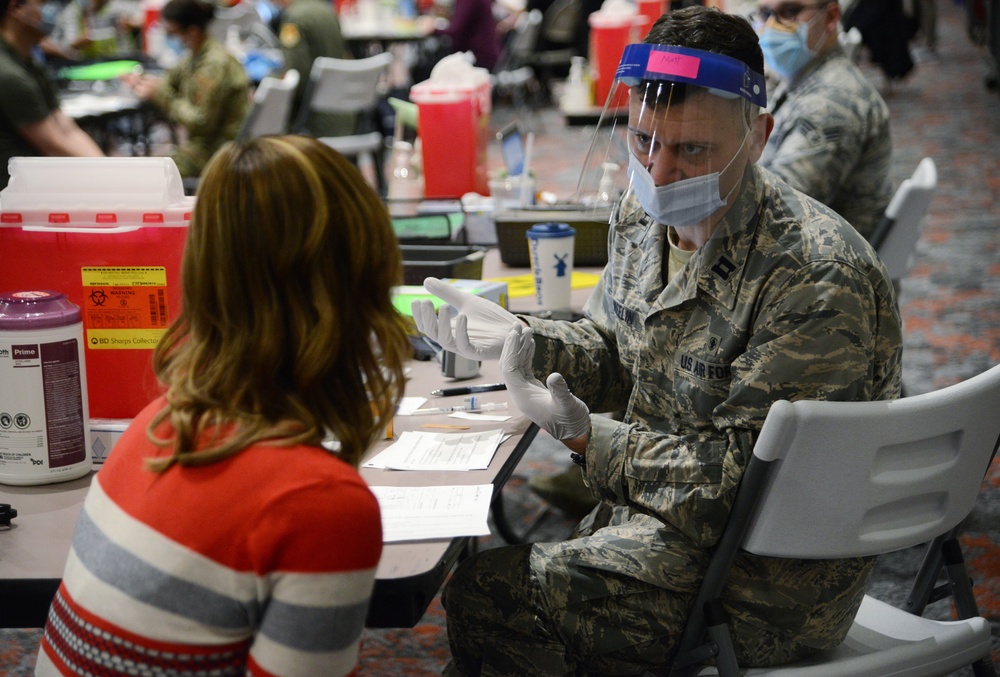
{"points": [[522, 44], [272, 106], [345, 85], [249, 23], [850, 40], [863, 478], [896, 236], [561, 22]]}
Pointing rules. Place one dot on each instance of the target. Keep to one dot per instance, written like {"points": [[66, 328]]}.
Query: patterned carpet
{"points": [[950, 305]]}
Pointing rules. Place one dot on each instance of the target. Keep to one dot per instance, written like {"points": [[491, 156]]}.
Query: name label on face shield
{"points": [[694, 67], [671, 63]]}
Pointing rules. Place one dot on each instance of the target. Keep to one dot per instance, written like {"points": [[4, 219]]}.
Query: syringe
{"points": [[474, 407]]}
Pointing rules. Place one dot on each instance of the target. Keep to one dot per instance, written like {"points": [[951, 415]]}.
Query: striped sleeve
{"points": [[135, 596], [314, 620]]}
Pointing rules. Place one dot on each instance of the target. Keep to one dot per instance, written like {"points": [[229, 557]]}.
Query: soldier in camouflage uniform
{"points": [[831, 135], [309, 28], [206, 93], [783, 299]]}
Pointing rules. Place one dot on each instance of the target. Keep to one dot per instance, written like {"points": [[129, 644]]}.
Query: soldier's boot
{"points": [[565, 491]]}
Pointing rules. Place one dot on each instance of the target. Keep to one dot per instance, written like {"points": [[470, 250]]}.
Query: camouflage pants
{"points": [[519, 610]]}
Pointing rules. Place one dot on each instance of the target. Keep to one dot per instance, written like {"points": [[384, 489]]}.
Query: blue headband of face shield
{"points": [[720, 74]]}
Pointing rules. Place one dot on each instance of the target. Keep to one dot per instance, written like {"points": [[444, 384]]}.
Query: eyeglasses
{"points": [[786, 14]]}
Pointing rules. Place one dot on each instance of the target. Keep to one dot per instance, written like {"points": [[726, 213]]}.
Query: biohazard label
{"points": [[124, 308]]}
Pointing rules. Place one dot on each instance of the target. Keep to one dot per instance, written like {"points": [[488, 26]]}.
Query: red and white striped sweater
{"points": [[261, 564]]}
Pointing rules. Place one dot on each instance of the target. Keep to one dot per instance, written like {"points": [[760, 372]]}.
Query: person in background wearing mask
{"points": [[206, 93], [831, 136], [96, 29], [308, 29], [31, 122], [725, 290]]}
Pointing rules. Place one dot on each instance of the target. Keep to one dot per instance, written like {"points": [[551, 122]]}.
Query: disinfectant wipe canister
{"points": [[43, 389]]}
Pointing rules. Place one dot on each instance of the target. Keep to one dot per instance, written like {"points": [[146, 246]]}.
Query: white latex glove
{"points": [[554, 408], [476, 333]]}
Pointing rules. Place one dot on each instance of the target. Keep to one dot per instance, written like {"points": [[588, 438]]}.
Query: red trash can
{"points": [[453, 123]]}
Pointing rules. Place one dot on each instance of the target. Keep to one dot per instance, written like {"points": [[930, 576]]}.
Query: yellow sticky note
{"points": [[524, 285]]}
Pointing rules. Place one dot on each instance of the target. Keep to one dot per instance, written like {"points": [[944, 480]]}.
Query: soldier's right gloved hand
{"points": [[551, 405], [476, 333]]}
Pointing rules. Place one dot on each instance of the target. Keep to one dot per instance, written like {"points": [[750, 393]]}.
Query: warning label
{"points": [[124, 308]]}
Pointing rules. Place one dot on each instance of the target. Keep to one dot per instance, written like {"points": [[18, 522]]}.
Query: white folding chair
{"points": [[850, 41], [349, 86], [833, 480], [513, 72], [896, 235], [272, 106], [560, 23], [252, 29]]}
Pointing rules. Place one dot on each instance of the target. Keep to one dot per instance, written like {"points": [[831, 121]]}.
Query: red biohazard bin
{"points": [[109, 233], [652, 10], [610, 33], [453, 125]]}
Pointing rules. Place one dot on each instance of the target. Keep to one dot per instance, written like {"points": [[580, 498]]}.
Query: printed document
{"points": [[421, 513], [439, 451]]}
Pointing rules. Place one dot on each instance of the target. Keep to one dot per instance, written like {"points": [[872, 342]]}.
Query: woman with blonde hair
{"points": [[222, 536]]}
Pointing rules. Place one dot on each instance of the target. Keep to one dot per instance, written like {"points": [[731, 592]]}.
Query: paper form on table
{"points": [[419, 513], [416, 450]]}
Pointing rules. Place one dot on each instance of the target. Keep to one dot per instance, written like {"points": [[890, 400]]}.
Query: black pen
{"points": [[468, 390]]}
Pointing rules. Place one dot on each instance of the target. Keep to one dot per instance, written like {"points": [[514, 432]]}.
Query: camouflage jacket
{"points": [[208, 94], [310, 29], [786, 301], [831, 139]]}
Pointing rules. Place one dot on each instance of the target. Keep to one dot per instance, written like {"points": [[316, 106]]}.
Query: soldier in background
{"points": [[831, 135], [308, 29], [725, 290], [206, 93]]}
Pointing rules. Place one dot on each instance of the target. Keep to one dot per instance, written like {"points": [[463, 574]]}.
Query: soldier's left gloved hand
{"points": [[555, 409]]}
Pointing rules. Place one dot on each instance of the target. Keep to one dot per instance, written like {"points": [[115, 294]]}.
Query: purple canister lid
{"points": [[540, 230], [24, 310]]}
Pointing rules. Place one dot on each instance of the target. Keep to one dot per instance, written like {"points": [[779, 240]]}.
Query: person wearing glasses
{"points": [[831, 137], [725, 290]]}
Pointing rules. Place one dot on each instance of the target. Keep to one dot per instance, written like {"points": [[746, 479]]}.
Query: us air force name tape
{"points": [[722, 74]]}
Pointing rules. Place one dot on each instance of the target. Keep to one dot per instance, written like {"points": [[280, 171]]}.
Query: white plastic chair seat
{"points": [[889, 642], [355, 144]]}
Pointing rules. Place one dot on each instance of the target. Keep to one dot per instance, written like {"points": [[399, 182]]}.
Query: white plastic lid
{"points": [[100, 191]]}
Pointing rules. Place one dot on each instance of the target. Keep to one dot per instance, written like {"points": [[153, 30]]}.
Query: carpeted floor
{"points": [[950, 305]]}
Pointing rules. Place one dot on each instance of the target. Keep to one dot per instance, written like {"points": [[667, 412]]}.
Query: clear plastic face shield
{"points": [[674, 135]]}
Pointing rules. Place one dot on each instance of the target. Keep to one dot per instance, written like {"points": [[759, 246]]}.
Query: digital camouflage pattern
{"points": [[206, 93], [787, 301], [831, 139]]}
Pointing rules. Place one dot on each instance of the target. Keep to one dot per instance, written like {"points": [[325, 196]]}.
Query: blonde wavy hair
{"points": [[287, 331]]}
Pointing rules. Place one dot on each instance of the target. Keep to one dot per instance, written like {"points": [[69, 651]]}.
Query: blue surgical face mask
{"points": [[787, 53], [175, 44], [683, 203], [48, 16]]}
